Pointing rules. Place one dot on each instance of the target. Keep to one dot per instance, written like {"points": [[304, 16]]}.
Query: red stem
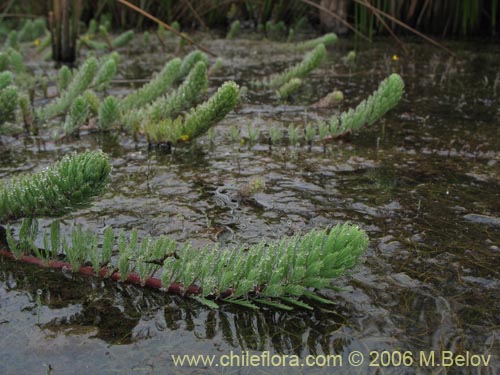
{"points": [[133, 278]]}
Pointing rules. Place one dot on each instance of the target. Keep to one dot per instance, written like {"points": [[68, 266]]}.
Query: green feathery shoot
{"points": [[288, 268], [77, 116], [5, 79], [68, 185], [233, 29], [4, 61], [201, 118], [92, 27], [289, 88], [326, 39], [8, 103], [92, 101], [386, 97], [16, 61], [64, 78], [171, 105], [81, 80], [310, 62], [123, 39], [32, 30], [109, 114], [275, 273], [217, 65], [93, 43], [198, 120], [27, 112], [12, 40], [154, 88], [105, 74], [26, 31], [189, 62]]}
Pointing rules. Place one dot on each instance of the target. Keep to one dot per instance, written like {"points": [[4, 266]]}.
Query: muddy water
{"points": [[424, 183]]}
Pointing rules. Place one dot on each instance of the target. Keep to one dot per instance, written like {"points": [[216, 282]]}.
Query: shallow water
{"points": [[423, 182]]}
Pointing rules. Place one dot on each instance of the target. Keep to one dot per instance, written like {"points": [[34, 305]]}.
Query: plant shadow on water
{"points": [[423, 183]]}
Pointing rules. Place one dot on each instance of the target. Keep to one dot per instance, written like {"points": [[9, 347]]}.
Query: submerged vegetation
{"points": [[167, 110], [284, 270]]}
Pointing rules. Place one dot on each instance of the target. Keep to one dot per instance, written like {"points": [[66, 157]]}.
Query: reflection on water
{"points": [[423, 183]]}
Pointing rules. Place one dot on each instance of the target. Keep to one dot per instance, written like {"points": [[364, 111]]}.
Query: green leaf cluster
{"points": [[8, 99], [106, 72], [189, 62], [11, 59], [288, 269], [82, 78], [154, 88], [77, 116], [68, 185], [310, 62], [326, 40], [233, 29], [109, 114], [31, 30], [184, 97], [198, 120], [386, 97], [144, 257], [289, 88], [64, 78], [122, 39]]}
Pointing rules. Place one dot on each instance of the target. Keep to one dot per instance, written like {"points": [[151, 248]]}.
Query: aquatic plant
{"points": [[275, 134], [234, 133], [82, 78], [12, 40], [233, 29], [184, 97], [109, 113], [189, 62], [82, 244], [293, 134], [326, 40], [371, 109], [32, 29], [253, 134], [93, 102], [5, 79], [64, 78], [275, 273], [123, 39], [284, 270], [106, 72], [154, 88], [77, 116], [289, 88], [216, 67], [4, 61], [197, 121], [310, 62], [16, 61], [309, 132], [323, 130], [27, 112], [201, 118], [68, 185], [8, 103]]}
